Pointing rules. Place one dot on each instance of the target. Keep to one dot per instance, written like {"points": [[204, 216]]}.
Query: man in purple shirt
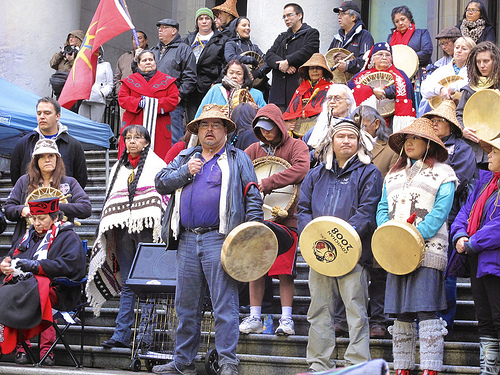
{"points": [[208, 199]]}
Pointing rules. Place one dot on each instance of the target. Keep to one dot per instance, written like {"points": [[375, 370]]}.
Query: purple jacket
{"points": [[486, 241]]}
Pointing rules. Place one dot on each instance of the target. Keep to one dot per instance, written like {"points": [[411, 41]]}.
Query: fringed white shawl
{"points": [[104, 280]]}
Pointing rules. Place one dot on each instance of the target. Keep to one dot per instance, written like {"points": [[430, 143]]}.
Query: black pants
{"points": [[486, 301]]}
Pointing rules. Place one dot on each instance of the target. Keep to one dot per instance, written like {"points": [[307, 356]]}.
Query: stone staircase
{"points": [[259, 354]]}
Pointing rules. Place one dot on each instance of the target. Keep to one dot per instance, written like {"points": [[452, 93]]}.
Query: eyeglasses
{"points": [[380, 55], [289, 15], [128, 138], [438, 120], [442, 44], [472, 11], [343, 13], [334, 98], [164, 27], [215, 126]]}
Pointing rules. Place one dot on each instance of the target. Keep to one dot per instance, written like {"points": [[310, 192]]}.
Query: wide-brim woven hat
{"points": [[488, 145], [317, 59], [447, 110], [421, 127], [211, 111], [229, 6]]}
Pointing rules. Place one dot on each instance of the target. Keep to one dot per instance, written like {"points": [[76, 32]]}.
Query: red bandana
{"points": [[134, 160], [398, 38]]}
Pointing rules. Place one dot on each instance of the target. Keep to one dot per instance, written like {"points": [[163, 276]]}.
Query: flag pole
{"points": [[125, 7]]}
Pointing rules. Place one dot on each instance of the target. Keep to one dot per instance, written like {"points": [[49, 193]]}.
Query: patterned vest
{"points": [[414, 189]]}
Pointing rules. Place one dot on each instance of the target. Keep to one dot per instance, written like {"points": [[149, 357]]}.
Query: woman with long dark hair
{"points": [[241, 43], [236, 77], [131, 214], [45, 170], [483, 70], [476, 24], [420, 184]]}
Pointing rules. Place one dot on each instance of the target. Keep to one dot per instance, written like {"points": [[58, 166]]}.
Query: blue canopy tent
{"points": [[18, 117]]}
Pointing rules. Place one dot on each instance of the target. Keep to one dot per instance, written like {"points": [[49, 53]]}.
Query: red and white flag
{"points": [[110, 20]]}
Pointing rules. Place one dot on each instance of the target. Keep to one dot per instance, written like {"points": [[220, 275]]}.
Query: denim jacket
{"points": [[238, 208]]}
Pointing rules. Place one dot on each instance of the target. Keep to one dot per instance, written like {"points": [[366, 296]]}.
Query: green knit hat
{"points": [[206, 12]]}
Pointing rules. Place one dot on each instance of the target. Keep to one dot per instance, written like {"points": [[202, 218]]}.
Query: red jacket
{"points": [[294, 151], [160, 86], [305, 91]]}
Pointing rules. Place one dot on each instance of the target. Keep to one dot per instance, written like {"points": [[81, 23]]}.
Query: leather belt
{"points": [[202, 230]]}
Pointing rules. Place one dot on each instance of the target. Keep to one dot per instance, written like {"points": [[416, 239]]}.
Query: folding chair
{"points": [[76, 316]]}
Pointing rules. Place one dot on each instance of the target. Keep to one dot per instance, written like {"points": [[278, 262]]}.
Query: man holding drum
{"points": [[352, 36], [270, 129], [347, 186], [207, 201]]}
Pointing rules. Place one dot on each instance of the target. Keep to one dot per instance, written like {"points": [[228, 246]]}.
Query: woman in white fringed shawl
{"points": [[131, 214]]}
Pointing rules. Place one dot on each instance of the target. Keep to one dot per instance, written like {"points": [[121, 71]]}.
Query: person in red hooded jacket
{"points": [[270, 129]]}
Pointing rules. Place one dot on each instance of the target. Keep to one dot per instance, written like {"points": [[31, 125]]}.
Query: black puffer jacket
{"points": [[211, 61]]}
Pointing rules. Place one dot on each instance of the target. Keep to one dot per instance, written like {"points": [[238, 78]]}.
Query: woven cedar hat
{"points": [[212, 111], [421, 127], [229, 6], [488, 145], [317, 59], [447, 110]]}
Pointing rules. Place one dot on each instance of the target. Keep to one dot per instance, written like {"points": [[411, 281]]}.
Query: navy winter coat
{"points": [[358, 40], [351, 194]]}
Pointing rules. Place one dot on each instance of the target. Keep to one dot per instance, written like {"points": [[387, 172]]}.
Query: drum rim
{"points": [[275, 159]]}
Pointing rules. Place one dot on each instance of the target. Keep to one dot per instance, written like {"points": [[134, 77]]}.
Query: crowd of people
{"points": [[197, 111]]}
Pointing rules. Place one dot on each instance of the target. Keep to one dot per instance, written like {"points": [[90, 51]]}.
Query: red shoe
{"points": [[430, 372], [403, 372]]}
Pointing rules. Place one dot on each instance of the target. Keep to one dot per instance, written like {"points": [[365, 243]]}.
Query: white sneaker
{"points": [[251, 325], [286, 327]]}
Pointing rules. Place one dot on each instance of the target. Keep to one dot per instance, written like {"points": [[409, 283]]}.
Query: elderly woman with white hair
{"points": [[401, 90], [339, 104]]}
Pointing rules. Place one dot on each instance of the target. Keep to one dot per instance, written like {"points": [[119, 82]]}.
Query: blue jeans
{"points": [[126, 245], [199, 266], [177, 123]]}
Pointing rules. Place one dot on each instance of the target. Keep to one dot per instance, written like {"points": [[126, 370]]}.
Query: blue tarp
{"points": [[18, 117]]}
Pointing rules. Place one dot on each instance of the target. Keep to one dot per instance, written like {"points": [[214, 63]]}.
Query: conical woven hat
{"points": [[488, 145], [229, 6], [421, 127], [211, 111], [317, 59], [447, 110]]}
